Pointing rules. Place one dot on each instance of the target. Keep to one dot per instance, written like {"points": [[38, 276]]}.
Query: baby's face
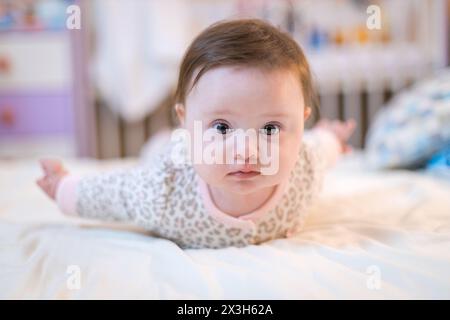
{"points": [[228, 100]]}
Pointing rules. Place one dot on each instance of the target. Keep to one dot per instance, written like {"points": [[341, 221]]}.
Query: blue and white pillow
{"points": [[439, 164], [413, 127]]}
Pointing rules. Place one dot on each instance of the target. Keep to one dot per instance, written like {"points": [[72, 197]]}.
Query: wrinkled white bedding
{"points": [[370, 235]]}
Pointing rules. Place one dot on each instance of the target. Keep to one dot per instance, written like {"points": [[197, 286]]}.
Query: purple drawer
{"points": [[36, 114]]}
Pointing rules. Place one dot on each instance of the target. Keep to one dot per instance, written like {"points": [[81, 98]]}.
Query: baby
{"points": [[237, 77]]}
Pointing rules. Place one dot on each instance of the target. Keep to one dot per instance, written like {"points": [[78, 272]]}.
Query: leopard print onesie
{"points": [[168, 200]]}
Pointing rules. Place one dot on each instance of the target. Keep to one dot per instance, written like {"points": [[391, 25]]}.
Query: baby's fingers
{"points": [[347, 128], [347, 149], [49, 184], [51, 166], [45, 185], [350, 124]]}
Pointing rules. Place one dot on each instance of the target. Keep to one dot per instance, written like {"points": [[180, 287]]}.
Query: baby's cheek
{"points": [[288, 158], [210, 173]]}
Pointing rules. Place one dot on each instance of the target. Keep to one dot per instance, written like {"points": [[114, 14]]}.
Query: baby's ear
{"points": [[181, 112], [307, 113]]}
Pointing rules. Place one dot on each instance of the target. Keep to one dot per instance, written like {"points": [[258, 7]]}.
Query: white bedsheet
{"points": [[370, 235]]}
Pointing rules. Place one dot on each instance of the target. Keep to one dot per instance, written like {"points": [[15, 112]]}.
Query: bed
{"points": [[370, 235]]}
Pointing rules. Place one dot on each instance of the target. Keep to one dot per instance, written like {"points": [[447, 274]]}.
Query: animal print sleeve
{"points": [[324, 146], [320, 150], [138, 195]]}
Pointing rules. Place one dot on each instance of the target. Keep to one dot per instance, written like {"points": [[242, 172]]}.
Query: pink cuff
{"points": [[66, 195], [329, 145]]}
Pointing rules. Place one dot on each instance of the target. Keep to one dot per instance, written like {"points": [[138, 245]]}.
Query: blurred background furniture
{"points": [[123, 61], [36, 95]]}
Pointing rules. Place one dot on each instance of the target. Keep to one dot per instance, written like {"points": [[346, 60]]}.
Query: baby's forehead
{"points": [[236, 87]]}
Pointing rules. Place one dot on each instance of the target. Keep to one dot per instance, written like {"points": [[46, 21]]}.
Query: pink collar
{"points": [[247, 220]]}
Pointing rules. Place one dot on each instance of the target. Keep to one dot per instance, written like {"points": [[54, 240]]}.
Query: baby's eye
{"points": [[270, 129], [221, 127]]}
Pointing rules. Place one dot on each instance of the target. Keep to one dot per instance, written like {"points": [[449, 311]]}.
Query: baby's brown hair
{"points": [[245, 42]]}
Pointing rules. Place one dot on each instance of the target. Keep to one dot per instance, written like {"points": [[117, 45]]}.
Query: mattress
{"points": [[369, 235]]}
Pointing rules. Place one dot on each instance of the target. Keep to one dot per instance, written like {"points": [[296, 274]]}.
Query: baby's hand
{"points": [[53, 172], [342, 130]]}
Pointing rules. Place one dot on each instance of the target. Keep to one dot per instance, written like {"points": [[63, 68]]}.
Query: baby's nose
{"points": [[246, 147]]}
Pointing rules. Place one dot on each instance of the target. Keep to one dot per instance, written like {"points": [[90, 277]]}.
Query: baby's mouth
{"points": [[244, 174]]}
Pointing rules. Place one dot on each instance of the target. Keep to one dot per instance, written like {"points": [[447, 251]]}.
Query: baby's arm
{"points": [[116, 196], [329, 139]]}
